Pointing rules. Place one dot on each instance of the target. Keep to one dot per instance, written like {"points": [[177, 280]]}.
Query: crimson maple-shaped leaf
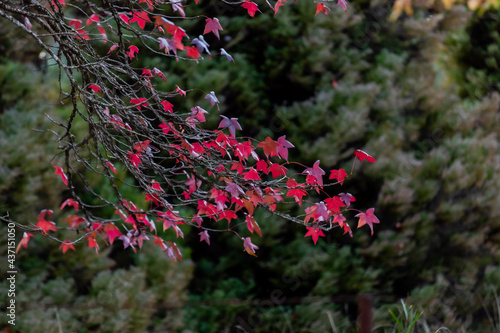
{"points": [[167, 106], [315, 233], [367, 218], [315, 172], [251, 7], [334, 204], [43, 224], [132, 50], [212, 25], [277, 170], [269, 146], [112, 232], [231, 124], [66, 245], [262, 166], [249, 246], [252, 175], [361, 155], [141, 18], [339, 174], [192, 52]]}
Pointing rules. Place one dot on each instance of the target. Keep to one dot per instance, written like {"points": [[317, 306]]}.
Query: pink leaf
{"points": [[367, 218], [212, 25], [231, 124], [249, 247], [204, 236]]}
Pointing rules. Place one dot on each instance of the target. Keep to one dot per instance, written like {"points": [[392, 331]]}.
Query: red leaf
{"points": [[24, 241], [102, 32], [66, 245], [277, 170], [70, 202], [60, 171], [361, 155], [140, 18], [167, 106], [269, 146], [74, 221], [111, 167], [277, 6], [262, 166], [339, 174], [77, 24], [368, 218], [46, 226], [95, 88], [132, 50], [192, 51], [125, 18], [321, 8], [251, 7], [112, 232], [334, 204], [252, 225], [228, 215], [315, 233], [140, 102], [249, 247], [93, 244], [92, 19], [212, 25], [135, 159], [251, 175], [180, 91], [297, 193]]}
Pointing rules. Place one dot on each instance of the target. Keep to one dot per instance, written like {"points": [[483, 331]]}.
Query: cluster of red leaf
{"points": [[221, 176]]}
